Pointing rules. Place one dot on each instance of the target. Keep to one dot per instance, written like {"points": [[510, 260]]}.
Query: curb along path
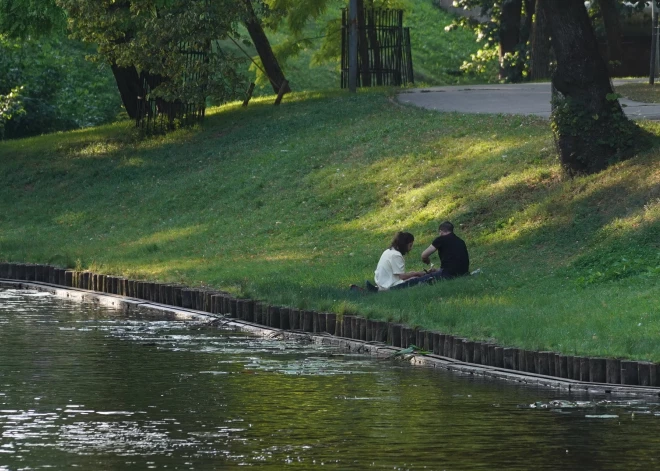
{"points": [[550, 369]]}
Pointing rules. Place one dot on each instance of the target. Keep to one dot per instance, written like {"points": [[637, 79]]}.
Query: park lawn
{"points": [[291, 204], [640, 91]]}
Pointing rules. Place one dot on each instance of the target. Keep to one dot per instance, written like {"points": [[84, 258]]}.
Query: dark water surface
{"points": [[84, 387]]}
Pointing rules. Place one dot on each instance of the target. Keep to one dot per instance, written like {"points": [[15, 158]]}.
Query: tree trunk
{"points": [[261, 43], [589, 125], [510, 39], [363, 46], [613, 30], [540, 52], [128, 83], [528, 23]]}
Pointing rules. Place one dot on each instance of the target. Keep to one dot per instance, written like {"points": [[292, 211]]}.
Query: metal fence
{"points": [[384, 56], [156, 115]]}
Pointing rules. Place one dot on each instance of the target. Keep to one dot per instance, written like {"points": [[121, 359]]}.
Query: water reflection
{"points": [[87, 387]]}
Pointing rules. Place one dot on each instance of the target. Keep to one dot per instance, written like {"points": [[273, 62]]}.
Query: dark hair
{"points": [[401, 241], [446, 227]]}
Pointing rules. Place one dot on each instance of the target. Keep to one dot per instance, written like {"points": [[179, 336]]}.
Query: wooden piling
{"points": [[530, 361], [380, 331], [449, 346], [38, 272], [362, 325], [186, 298], [563, 366], [522, 360], [499, 357], [457, 349], [436, 343], [613, 371], [355, 328], [427, 344], [476, 355], [294, 319], [644, 373], [577, 363], [584, 369], [394, 335], [331, 323], [274, 315], [485, 353], [346, 326], [597, 370], [508, 358], [629, 372], [439, 345], [468, 351], [233, 308], [29, 272], [286, 318], [307, 321], [543, 363]]}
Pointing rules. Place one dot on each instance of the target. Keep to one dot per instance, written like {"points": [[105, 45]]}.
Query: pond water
{"points": [[87, 387]]}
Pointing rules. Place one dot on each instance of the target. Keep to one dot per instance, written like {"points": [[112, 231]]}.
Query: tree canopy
{"points": [[150, 36]]}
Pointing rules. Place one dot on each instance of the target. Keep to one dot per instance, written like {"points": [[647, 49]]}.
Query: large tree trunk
{"points": [[363, 51], [510, 39], [128, 83], [540, 48], [612, 22], [590, 127], [261, 43]]}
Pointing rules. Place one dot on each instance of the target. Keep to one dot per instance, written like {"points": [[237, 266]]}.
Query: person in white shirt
{"points": [[391, 270]]}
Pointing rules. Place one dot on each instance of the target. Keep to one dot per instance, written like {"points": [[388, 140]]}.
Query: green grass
{"points": [[642, 92], [291, 204]]}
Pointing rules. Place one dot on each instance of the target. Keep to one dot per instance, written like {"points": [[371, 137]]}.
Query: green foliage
{"points": [[11, 106], [59, 89], [313, 63], [152, 36], [620, 269], [22, 18]]}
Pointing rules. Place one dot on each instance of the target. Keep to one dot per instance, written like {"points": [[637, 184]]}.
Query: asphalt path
{"points": [[524, 99]]}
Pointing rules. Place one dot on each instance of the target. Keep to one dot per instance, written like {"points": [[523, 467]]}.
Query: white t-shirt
{"points": [[391, 263]]}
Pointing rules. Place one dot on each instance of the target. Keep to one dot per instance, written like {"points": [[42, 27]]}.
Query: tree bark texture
{"points": [[265, 51], [510, 39], [540, 47], [363, 44], [612, 21], [128, 83], [590, 127]]}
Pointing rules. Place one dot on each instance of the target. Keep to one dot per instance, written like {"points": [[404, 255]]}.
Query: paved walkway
{"points": [[527, 99]]}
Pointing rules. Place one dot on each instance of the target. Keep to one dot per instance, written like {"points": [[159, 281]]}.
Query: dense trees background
{"points": [[45, 84]]}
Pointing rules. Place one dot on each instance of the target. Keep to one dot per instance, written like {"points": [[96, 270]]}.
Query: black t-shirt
{"points": [[454, 259]]}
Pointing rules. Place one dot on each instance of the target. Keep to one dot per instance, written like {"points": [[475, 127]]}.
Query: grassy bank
{"points": [[292, 204]]}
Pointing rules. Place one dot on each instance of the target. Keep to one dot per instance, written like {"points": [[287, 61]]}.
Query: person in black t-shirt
{"points": [[454, 258]]}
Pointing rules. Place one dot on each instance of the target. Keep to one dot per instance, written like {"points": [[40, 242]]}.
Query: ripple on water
{"points": [[85, 386]]}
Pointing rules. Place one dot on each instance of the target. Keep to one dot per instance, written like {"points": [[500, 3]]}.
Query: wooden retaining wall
{"points": [[452, 352]]}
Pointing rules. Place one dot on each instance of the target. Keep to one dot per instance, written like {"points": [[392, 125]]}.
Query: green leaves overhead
{"points": [[151, 35], [19, 18]]}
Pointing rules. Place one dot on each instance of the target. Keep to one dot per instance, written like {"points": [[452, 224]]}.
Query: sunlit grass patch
{"points": [[292, 204]]}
